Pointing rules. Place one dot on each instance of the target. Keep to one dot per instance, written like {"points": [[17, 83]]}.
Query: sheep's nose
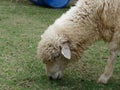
{"points": [[57, 78]]}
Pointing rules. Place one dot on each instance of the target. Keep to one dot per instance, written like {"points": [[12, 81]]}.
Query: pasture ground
{"points": [[20, 28]]}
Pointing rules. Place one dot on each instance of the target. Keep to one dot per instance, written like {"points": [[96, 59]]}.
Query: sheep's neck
{"points": [[84, 39]]}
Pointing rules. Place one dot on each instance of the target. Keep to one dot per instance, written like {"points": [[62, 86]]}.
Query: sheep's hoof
{"points": [[103, 79]]}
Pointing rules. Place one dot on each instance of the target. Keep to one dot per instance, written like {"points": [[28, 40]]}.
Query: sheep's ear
{"points": [[66, 51]]}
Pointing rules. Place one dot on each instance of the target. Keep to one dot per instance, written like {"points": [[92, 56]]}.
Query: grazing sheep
{"points": [[84, 24]]}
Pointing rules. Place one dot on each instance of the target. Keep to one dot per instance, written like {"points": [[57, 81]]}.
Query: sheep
{"points": [[70, 35]]}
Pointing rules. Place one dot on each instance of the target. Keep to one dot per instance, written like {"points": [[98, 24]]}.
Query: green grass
{"points": [[20, 28]]}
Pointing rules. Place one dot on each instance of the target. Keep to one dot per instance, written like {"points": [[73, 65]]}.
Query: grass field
{"points": [[20, 28]]}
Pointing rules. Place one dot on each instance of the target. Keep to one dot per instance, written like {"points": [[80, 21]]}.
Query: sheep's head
{"points": [[55, 55]]}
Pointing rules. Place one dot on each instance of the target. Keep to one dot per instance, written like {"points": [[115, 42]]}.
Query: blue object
{"points": [[56, 3], [38, 2], [51, 3]]}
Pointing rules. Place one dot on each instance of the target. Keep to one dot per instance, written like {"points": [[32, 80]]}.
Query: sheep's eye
{"points": [[49, 60], [56, 55]]}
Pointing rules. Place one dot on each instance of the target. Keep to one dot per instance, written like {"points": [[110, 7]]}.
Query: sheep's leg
{"points": [[109, 67]]}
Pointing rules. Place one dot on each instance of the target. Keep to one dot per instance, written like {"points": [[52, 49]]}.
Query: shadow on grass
{"points": [[74, 83], [36, 79]]}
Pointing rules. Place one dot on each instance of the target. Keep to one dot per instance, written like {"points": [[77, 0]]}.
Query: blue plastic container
{"points": [[38, 2], [56, 3], [51, 3]]}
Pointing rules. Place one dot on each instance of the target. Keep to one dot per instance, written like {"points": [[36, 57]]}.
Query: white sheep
{"points": [[84, 24]]}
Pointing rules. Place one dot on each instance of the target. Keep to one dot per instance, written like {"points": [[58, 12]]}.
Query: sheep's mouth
{"points": [[56, 76]]}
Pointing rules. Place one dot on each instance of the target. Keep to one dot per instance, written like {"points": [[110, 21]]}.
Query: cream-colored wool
{"points": [[84, 24]]}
